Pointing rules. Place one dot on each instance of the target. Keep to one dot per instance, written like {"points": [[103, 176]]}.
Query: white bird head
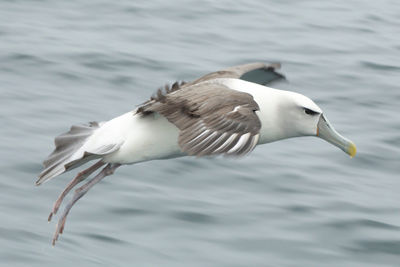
{"points": [[304, 118], [285, 114]]}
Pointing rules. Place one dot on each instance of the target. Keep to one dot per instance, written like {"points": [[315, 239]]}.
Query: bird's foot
{"points": [[78, 178], [80, 192]]}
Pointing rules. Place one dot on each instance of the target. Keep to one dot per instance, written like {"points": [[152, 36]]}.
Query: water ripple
{"points": [[105, 238], [354, 224], [380, 66], [194, 217], [298, 202], [377, 247]]}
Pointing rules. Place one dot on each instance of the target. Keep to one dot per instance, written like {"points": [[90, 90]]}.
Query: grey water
{"points": [[298, 202]]}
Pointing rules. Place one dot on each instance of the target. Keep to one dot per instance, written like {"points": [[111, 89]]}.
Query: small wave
{"points": [[378, 66], [26, 59], [377, 247], [130, 211], [350, 224], [105, 238], [194, 217]]}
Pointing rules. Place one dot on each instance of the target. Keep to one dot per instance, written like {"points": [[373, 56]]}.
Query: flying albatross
{"points": [[227, 112]]}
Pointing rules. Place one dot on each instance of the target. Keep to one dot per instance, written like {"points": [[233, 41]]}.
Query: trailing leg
{"points": [[80, 192], [79, 178]]}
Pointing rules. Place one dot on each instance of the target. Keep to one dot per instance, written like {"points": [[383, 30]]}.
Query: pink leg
{"points": [[79, 178], [80, 192]]}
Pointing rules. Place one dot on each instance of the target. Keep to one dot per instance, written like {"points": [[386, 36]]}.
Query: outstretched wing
{"points": [[257, 72], [212, 119]]}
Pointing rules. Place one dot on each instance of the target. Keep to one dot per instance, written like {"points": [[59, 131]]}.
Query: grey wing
{"points": [[65, 156], [212, 119], [257, 72]]}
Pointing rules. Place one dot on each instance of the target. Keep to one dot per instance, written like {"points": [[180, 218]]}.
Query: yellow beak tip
{"points": [[352, 150]]}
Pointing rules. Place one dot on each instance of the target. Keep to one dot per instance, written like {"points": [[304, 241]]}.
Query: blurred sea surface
{"points": [[298, 202]]}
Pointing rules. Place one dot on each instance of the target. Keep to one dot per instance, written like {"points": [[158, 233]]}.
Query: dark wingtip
{"points": [[265, 75]]}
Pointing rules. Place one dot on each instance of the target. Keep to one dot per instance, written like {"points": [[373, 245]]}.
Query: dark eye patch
{"points": [[310, 111]]}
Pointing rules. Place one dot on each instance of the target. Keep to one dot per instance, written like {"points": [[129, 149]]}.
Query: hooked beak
{"points": [[328, 133]]}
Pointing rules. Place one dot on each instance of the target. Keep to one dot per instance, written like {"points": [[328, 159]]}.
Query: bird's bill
{"points": [[328, 133]]}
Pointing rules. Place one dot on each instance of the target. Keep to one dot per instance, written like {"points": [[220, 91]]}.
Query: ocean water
{"points": [[298, 202]]}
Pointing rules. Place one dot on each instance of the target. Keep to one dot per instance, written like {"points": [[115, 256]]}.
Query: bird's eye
{"points": [[310, 112]]}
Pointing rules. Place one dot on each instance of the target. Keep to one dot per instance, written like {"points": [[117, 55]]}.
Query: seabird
{"points": [[227, 112]]}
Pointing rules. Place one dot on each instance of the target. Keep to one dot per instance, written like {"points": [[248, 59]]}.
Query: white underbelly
{"points": [[144, 138]]}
